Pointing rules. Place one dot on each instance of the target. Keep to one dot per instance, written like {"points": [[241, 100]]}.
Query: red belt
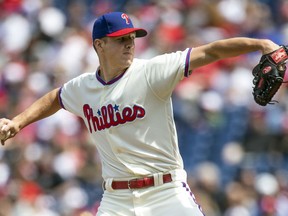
{"points": [[139, 182]]}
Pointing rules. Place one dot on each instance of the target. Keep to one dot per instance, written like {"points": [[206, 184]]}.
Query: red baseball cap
{"points": [[115, 24]]}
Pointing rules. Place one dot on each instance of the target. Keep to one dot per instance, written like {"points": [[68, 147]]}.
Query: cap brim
{"points": [[139, 32]]}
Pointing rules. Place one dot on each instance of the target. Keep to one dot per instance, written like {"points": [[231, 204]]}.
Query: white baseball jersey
{"points": [[130, 118]]}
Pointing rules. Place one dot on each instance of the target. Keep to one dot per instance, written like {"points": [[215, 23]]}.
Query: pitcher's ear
{"points": [[98, 44]]}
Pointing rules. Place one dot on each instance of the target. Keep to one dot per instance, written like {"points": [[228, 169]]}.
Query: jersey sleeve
{"points": [[69, 96], [164, 72]]}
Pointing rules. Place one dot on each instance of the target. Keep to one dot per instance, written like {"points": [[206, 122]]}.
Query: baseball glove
{"points": [[268, 76]]}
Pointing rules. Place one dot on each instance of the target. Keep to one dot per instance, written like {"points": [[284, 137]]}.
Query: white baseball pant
{"points": [[169, 199]]}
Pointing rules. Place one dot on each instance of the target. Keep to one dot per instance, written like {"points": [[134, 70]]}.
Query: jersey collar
{"points": [[98, 77]]}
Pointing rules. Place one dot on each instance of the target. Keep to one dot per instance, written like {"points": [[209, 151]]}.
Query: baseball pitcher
{"points": [[126, 106]]}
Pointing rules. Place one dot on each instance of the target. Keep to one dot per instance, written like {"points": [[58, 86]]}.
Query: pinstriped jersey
{"points": [[130, 118]]}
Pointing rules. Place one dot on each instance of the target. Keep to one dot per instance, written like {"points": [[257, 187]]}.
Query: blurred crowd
{"points": [[235, 151]]}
